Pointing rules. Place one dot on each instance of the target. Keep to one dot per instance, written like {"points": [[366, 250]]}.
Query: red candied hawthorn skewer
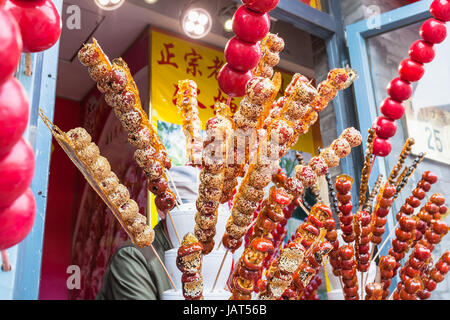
{"points": [[343, 185], [311, 290], [374, 291], [384, 202], [434, 275], [431, 211], [251, 24], [363, 230], [387, 266], [434, 234], [271, 47], [433, 31], [249, 268], [189, 262], [321, 217], [348, 272], [410, 285], [418, 194], [404, 236]]}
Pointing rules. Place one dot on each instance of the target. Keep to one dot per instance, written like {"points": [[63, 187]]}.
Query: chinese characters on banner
{"points": [[174, 59]]}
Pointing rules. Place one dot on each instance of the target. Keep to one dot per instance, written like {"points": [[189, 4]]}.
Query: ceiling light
{"points": [[228, 25], [109, 4], [196, 23], [151, 1]]}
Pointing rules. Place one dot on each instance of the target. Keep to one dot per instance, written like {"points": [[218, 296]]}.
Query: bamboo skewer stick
{"points": [[362, 287], [220, 270], [384, 243], [28, 68], [164, 267], [174, 227], [371, 254], [368, 206], [409, 173], [177, 204], [369, 160], [406, 151], [169, 175], [5, 261]]}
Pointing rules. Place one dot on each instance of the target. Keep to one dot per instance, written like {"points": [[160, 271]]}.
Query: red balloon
{"points": [[39, 21], [17, 220], [433, 31], [381, 147], [399, 90], [410, 70], [13, 114], [241, 55], [261, 5], [440, 9], [10, 45], [249, 25], [392, 109], [422, 51], [385, 127], [16, 172], [233, 82]]}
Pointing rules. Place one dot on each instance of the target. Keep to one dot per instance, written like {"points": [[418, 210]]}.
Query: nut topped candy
{"points": [[101, 168], [319, 166], [110, 183], [306, 175], [89, 154], [98, 71], [120, 195], [259, 90], [352, 136], [330, 157], [80, 138], [341, 147], [88, 56], [131, 120]]}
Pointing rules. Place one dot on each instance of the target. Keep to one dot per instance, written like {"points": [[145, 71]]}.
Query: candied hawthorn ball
{"points": [[440, 9], [422, 51], [341, 147], [399, 90], [352, 136], [381, 147], [410, 70], [433, 31]]}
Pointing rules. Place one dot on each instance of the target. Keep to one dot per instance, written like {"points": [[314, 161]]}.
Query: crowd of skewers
{"points": [[250, 144]]}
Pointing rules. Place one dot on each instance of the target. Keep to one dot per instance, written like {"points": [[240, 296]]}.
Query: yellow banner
{"points": [[174, 58]]}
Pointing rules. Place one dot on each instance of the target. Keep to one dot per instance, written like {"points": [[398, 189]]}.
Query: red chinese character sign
{"points": [[174, 58]]}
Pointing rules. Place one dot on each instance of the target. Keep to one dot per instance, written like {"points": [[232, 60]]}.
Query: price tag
{"points": [[430, 127]]}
